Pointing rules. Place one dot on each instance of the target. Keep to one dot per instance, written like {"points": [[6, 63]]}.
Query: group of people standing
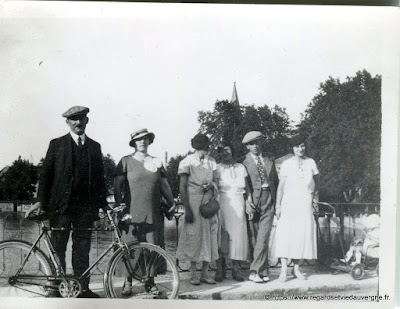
{"points": [[248, 189], [250, 194]]}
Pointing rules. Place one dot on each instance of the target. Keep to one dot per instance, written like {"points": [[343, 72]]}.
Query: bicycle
{"points": [[24, 266]]}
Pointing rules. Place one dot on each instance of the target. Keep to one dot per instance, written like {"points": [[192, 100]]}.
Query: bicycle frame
{"points": [[60, 274], [116, 243]]}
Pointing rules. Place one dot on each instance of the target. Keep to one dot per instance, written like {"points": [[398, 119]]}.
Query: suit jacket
{"points": [[255, 179], [57, 176]]}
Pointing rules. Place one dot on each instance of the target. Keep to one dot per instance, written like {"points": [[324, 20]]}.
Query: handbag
{"points": [[209, 208]]}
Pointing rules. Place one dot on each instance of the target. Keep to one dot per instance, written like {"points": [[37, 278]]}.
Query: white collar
{"points": [[259, 156], [76, 136], [205, 160]]}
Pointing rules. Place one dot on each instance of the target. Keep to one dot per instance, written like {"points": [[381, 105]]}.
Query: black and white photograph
{"points": [[185, 153]]}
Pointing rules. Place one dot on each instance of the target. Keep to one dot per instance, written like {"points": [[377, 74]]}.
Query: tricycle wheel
{"points": [[358, 272]]}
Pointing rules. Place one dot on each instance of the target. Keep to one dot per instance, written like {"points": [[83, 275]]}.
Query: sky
{"points": [[156, 65]]}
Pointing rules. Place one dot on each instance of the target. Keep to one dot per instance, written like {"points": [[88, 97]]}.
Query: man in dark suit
{"points": [[72, 190], [263, 184]]}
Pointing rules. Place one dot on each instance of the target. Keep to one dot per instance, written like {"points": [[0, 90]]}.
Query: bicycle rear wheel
{"points": [[153, 272], [34, 272]]}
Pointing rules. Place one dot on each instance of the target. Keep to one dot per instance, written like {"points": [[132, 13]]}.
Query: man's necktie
{"points": [[261, 170], [79, 141]]}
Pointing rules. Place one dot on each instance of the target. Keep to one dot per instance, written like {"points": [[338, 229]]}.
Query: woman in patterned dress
{"points": [[198, 241]]}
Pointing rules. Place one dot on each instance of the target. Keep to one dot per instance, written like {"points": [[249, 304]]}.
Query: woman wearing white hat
{"points": [[147, 183]]}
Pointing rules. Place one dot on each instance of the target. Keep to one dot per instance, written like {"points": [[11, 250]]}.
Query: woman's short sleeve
{"points": [[314, 168], [284, 171], [184, 166], [121, 168], [244, 171], [213, 164]]}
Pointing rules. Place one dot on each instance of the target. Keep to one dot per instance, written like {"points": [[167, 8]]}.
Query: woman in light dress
{"points": [[198, 241], [296, 237], [232, 183]]}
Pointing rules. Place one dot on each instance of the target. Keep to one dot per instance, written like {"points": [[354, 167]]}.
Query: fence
{"points": [[346, 219]]}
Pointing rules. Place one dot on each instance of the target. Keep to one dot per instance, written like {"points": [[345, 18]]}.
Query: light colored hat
{"points": [[76, 110], [252, 136], [139, 134]]}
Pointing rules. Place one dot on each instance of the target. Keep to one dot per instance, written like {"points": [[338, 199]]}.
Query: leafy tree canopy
{"points": [[343, 129], [230, 122], [109, 172], [19, 181], [171, 172]]}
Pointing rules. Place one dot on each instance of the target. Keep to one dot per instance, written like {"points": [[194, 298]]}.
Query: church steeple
{"points": [[235, 98]]}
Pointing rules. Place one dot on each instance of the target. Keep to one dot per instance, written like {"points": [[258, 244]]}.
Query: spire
{"points": [[235, 98]]}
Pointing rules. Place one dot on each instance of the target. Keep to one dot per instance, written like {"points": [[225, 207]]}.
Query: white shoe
{"points": [[256, 278], [265, 278]]}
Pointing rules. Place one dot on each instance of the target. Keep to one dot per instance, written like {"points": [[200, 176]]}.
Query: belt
{"points": [[265, 189]]}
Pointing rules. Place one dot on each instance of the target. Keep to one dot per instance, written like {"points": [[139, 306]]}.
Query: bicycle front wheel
{"points": [[142, 271], [33, 275]]}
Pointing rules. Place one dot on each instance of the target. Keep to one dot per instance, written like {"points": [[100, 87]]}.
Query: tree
{"points": [[172, 173], [19, 183], [109, 172], [343, 129], [230, 122]]}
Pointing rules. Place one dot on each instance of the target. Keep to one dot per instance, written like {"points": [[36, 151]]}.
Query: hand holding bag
{"points": [[210, 208]]}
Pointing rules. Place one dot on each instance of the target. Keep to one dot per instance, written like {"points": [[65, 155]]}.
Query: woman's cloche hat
{"points": [[139, 134]]}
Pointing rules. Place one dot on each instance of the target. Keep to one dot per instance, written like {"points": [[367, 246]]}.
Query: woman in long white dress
{"points": [[296, 237], [231, 178]]}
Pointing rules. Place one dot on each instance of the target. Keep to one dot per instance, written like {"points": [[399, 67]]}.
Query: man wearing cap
{"points": [[263, 181], [72, 190]]}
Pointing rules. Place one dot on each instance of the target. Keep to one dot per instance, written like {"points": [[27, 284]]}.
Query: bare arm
{"points": [[279, 195], [167, 192], [185, 198], [316, 180]]}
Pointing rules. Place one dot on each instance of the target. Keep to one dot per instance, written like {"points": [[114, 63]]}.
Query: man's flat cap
{"points": [[76, 110], [252, 136]]}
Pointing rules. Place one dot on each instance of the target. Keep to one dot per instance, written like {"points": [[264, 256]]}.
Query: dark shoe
{"points": [[127, 290], [218, 276], [88, 294], [154, 291], [207, 280], [151, 287], [195, 281], [237, 276], [127, 287]]}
